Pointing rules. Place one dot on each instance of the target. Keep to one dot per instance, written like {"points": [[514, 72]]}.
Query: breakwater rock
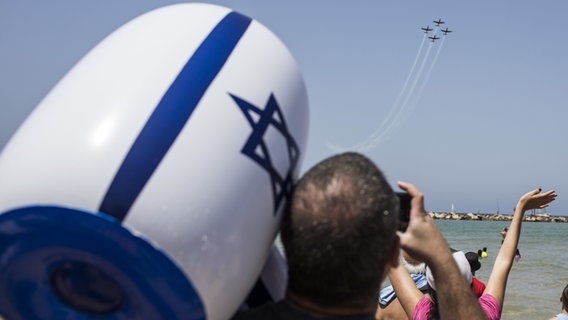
{"points": [[495, 217]]}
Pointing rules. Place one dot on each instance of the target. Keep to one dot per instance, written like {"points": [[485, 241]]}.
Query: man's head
{"points": [[339, 231], [473, 259], [564, 298], [411, 264], [463, 265]]}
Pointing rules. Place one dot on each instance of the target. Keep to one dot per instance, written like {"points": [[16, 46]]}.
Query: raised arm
{"points": [[406, 291], [504, 260], [424, 241]]}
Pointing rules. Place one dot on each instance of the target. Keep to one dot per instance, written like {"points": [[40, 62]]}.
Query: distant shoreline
{"points": [[494, 217]]}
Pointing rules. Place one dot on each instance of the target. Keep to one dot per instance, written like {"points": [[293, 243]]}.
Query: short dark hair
{"points": [[473, 259], [338, 231], [565, 298]]}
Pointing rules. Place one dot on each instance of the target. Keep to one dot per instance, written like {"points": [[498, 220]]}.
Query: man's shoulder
{"points": [[283, 311], [271, 310]]}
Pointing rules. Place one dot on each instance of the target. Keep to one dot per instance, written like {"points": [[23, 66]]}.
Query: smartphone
{"points": [[404, 210]]}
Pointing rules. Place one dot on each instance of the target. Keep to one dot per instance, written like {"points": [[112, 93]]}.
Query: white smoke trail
{"points": [[427, 77], [394, 107], [403, 111], [394, 110], [399, 113]]}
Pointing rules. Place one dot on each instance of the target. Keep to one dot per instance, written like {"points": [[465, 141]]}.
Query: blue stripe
{"points": [[171, 115]]}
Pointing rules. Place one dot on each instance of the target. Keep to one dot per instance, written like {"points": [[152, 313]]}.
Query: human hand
{"points": [[536, 200], [422, 239]]}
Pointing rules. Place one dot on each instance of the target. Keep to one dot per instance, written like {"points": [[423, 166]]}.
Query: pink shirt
{"points": [[488, 303]]}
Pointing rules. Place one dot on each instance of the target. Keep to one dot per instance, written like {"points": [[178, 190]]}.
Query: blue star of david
{"points": [[256, 148]]}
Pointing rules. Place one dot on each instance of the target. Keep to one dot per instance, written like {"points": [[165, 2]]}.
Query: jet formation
{"points": [[437, 23], [412, 89]]}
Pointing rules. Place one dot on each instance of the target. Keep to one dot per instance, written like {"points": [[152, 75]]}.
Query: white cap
{"points": [[463, 265]]}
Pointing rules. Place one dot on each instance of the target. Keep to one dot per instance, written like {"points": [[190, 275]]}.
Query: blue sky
{"points": [[489, 125]]}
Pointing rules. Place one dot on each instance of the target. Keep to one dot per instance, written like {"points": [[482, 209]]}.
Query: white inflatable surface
{"points": [[183, 130]]}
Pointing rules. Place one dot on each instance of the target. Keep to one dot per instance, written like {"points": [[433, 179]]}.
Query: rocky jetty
{"points": [[495, 217]]}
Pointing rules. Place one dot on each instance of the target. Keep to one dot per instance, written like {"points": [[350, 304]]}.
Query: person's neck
{"points": [[315, 309]]}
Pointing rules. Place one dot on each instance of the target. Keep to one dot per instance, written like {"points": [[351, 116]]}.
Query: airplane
{"points": [[427, 29], [446, 31], [439, 22], [434, 38]]}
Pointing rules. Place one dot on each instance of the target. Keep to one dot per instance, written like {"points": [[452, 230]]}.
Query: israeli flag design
{"points": [[149, 183]]}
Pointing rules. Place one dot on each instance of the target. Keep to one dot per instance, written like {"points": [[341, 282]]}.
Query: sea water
{"points": [[536, 280]]}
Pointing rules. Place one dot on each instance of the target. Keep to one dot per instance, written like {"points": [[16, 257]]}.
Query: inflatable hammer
{"points": [[149, 183]]}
